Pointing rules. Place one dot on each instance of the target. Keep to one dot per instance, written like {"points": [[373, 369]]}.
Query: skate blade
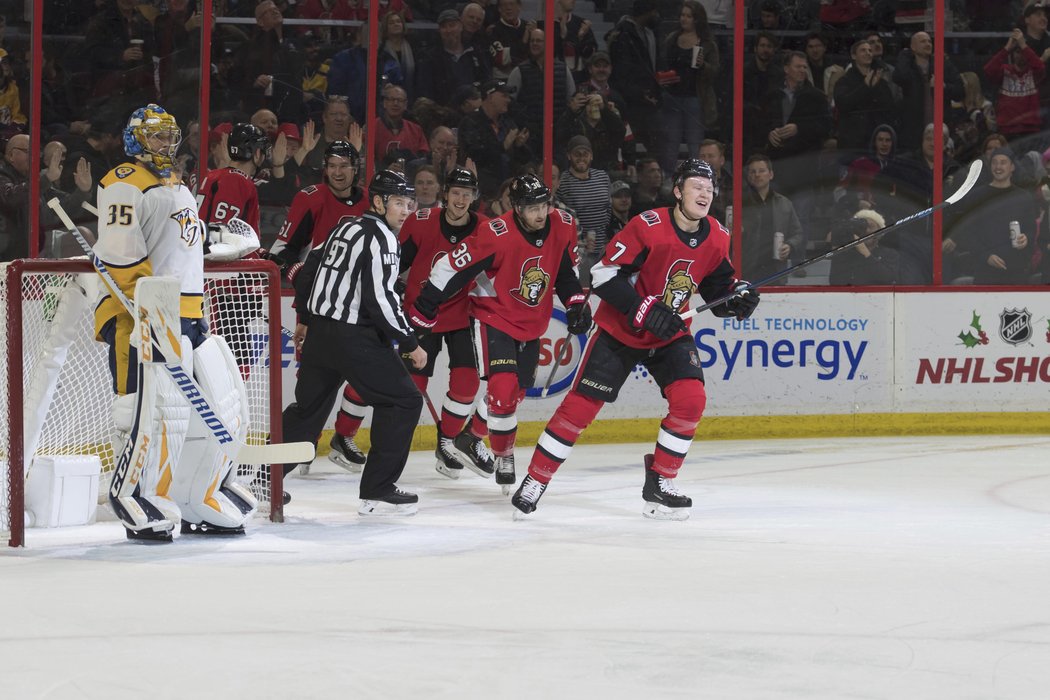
{"points": [[507, 489], [480, 472], [383, 508], [448, 471], [304, 470], [656, 511], [340, 461], [519, 515], [149, 536]]}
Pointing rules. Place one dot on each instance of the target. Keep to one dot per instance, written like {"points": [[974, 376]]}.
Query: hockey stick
{"points": [[561, 355], [239, 453], [968, 183], [430, 405]]}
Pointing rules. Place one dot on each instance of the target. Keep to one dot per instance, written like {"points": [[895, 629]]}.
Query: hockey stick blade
{"points": [[964, 189], [239, 453]]}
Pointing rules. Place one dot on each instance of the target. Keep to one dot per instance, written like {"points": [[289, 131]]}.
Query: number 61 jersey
{"points": [[148, 226]]}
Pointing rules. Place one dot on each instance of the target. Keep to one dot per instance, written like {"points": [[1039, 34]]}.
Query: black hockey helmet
{"points": [[244, 140], [528, 189], [342, 149], [461, 177], [692, 167], [389, 182]]}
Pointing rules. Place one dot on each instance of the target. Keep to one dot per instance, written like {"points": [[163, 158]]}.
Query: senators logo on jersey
{"points": [[189, 225], [534, 283], [680, 285]]}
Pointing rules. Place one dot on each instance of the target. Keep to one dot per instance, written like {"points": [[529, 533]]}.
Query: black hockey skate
{"points": [[505, 473], [662, 500], [478, 457], [346, 453], [189, 528], [448, 458], [527, 497], [394, 502]]}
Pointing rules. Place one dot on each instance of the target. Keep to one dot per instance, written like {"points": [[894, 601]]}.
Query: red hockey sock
{"points": [[463, 386], [502, 400], [351, 413], [686, 399], [555, 444]]}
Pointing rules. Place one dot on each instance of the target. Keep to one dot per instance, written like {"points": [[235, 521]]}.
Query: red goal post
{"points": [[56, 388]]}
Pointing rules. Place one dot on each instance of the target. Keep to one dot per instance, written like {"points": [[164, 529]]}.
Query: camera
{"points": [[846, 231]]}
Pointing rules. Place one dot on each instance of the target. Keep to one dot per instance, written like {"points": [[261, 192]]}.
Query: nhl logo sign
{"points": [[1015, 326]]}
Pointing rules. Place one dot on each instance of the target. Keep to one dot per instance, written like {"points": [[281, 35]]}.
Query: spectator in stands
{"points": [[761, 74], [61, 113], [314, 77], [442, 155], [177, 70], [1036, 37], [817, 59], [397, 62], [981, 233], [586, 191], [619, 208], [863, 100], [687, 52], [633, 49], [101, 147], [1016, 70], [904, 187], [589, 115], [338, 125], [766, 212], [574, 41], [526, 85], [268, 69], [500, 204], [12, 120], [347, 80], [649, 192], [878, 52], [473, 19], [867, 263], [862, 172], [714, 153], [770, 16], [267, 121], [599, 69], [914, 75], [508, 39], [427, 187], [119, 47], [451, 65], [344, 10], [492, 139], [394, 134]]}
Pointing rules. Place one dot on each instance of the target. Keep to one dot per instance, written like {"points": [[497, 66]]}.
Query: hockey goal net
{"points": [[55, 385]]}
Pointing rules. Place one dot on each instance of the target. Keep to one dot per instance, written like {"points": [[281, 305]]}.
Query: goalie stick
{"points": [[239, 453], [968, 183]]}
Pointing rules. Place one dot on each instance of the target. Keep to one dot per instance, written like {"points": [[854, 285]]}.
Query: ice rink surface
{"points": [[912, 568]]}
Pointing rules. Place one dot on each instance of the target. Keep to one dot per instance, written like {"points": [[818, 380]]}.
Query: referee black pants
{"points": [[334, 352]]}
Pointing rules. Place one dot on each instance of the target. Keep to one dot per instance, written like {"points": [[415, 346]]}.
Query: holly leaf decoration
{"points": [[969, 340], [976, 322]]}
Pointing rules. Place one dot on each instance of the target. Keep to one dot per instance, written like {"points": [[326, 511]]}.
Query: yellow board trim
{"points": [[620, 430]]}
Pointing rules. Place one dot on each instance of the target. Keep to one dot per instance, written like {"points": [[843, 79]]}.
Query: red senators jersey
{"points": [[653, 257], [226, 194], [514, 273], [425, 239], [314, 213]]}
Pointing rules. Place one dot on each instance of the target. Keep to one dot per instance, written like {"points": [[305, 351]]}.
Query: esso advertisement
{"points": [[826, 353], [560, 356], [978, 351]]}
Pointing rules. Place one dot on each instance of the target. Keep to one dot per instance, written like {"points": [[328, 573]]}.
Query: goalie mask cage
{"points": [[56, 391]]}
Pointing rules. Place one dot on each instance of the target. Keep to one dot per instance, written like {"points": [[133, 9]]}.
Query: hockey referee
{"points": [[345, 294]]}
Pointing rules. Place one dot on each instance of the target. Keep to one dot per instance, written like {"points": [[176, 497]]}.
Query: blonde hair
{"points": [[872, 216]]}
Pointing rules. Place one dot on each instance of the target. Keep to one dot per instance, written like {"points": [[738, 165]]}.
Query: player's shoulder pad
{"points": [[309, 189], [565, 217], [422, 214], [133, 175], [720, 225], [498, 226], [650, 217]]}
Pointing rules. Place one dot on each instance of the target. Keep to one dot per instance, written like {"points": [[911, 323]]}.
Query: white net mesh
{"points": [[65, 394]]}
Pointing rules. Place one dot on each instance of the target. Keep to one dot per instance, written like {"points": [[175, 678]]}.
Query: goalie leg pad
{"points": [[205, 486]]}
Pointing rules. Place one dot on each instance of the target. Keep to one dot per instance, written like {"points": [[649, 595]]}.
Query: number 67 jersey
{"points": [[148, 226]]}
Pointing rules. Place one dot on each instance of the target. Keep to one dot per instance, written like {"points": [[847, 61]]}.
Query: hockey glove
{"points": [[744, 303], [658, 318], [578, 315], [420, 320]]}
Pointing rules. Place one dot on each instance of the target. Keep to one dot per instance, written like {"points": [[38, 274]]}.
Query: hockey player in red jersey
{"points": [[428, 235], [230, 193], [649, 271], [516, 260], [315, 212]]}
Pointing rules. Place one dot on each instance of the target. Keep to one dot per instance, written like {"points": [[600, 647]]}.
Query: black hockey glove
{"points": [[744, 303], [658, 318], [578, 315]]}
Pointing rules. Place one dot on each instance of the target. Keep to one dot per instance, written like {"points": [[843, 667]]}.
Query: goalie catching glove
{"points": [[744, 303], [230, 241], [658, 318]]}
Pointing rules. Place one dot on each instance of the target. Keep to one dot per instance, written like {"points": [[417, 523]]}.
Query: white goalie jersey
{"points": [[149, 226]]}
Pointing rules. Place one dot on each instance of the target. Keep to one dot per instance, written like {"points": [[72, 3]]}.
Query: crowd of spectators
{"points": [[837, 101]]}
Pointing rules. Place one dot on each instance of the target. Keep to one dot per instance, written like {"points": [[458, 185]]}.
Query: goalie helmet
{"points": [[245, 140], [152, 136], [528, 189]]}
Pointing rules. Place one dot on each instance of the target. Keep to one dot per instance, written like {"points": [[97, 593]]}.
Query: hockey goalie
{"points": [[170, 467]]}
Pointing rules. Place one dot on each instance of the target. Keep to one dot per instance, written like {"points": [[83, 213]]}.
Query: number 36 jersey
{"points": [[148, 226]]}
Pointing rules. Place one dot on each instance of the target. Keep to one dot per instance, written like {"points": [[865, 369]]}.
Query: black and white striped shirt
{"points": [[354, 279]]}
